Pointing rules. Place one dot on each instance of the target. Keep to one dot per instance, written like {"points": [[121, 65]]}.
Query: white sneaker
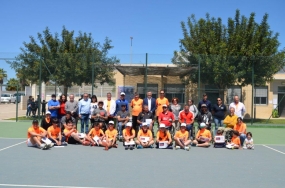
{"points": [[187, 148], [43, 146], [177, 147], [50, 145]]}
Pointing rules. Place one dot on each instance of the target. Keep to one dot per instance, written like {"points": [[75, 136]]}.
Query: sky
{"points": [[155, 25]]}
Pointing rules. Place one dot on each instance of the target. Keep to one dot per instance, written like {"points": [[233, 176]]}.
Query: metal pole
{"points": [[252, 97], [40, 90], [17, 102], [93, 66], [145, 75], [131, 55], [199, 79]]}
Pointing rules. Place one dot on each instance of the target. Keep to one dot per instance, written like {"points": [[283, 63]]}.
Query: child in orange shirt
{"points": [[181, 138], [203, 137], [129, 135], [96, 132], [71, 134], [144, 132], [163, 135], [235, 141], [54, 133], [111, 135]]}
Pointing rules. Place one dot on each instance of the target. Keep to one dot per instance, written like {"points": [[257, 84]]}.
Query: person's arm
{"points": [[75, 107], [59, 137], [157, 136], [57, 106], [50, 137], [169, 138], [66, 106], [243, 110], [114, 139], [192, 119], [105, 117], [79, 109], [33, 134], [127, 119], [68, 133], [127, 105], [133, 134], [210, 118], [180, 117]]}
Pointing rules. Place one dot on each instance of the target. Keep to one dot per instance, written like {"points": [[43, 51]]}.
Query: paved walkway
{"points": [[9, 111]]}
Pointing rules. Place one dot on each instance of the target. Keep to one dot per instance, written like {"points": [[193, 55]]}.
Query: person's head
{"points": [[186, 108], [54, 122], [68, 115], [203, 126], [48, 114], [248, 135], [96, 126], [136, 96], [33, 99], [111, 125], [149, 94], [100, 104], [53, 97], [129, 126], [109, 95], [145, 108], [235, 133], [232, 111], [239, 120], [164, 108], [94, 98], [62, 98], [35, 124], [30, 97], [71, 98], [44, 100], [175, 100], [122, 95], [190, 102], [69, 124], [85, 96], [205, 97], [219, 101], [219, 132], [236, 99], [183, 127], [144, 127], [161, 94], [100, 125], [204, 108], [162, 127]]}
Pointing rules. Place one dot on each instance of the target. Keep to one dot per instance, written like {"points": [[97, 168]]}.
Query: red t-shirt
{"points": [[164, 118], [62, 108]]}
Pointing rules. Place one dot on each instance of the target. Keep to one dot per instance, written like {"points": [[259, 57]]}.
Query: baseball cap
{"points": [[48, 112], [203, 105], [35, 121], [122, 93], [161, 125], [202, 125], [183, 125], [111, 122], [164, 105], [129, 124], [144, 124]]}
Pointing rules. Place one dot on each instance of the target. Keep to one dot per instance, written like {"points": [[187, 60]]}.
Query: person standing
{"points": [[61, 111], [136, 105], [206, 102], [29, 109], [43, 107], [72, 106], [193, 108], [238, 106], [175, 109], [161, 100], [53, 106], [150, 102], [84, 112], [110, 107], [122, 101], [219, 111], [94, 106]]}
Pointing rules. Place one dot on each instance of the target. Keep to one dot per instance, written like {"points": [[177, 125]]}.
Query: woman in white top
{"points": [[93, 106], [193, 108], [175, 109]]}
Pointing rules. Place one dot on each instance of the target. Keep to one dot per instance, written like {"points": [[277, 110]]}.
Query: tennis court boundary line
{"points": [[44, 186], [12, 146], [274, 149]]}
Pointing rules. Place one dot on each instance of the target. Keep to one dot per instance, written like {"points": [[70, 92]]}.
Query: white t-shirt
{"points": [[250, 141], [239, 109]]}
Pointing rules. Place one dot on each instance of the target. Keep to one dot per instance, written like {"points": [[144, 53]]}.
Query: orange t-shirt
{"points": [[38, 131], [147, 134], [181, 135], [128, 133], [159, 103], [93, 132], [111, 134], [204, 133], [54, 131], [235, 140], [66, 131], [137, 106], [186, 117], [240, 128], [162, 136]]}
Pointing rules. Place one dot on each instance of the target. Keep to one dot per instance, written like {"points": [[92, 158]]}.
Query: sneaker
{"points": [[131, 147], [177, 147], [44, 146], [139, 147], [126, 147], [192, 144], [64, 143], [151, 146], [120, 137], [187, 148], [50, 145], [169, 147]]}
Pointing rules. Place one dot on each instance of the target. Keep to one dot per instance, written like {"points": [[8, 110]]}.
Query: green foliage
{"points": [[3, 74], [12, 85], [275, 113], [227, 54], [66, 59]]}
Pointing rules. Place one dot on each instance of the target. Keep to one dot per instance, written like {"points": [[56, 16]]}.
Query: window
{"points": [[232, 91], [175, 90], [260, 95], [150, 87]]}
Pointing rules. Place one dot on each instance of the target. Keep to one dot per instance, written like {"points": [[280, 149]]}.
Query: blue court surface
{"points": [[83, 166]]}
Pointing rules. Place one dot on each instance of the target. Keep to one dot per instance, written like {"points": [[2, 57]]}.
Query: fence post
{"points": [[145, 76]]}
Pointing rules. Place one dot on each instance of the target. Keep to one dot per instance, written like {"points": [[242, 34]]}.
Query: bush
{"points": [[275, 113]]}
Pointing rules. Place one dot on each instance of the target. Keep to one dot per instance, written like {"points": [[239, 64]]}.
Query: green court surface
{"points": [[261, 135]]}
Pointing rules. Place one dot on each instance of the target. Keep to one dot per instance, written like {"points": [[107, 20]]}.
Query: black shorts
{"points": [[71, 140]]}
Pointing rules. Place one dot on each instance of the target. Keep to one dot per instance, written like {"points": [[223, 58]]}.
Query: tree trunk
{"points": [[65, 89]]}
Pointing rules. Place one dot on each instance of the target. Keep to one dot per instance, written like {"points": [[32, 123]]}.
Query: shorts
{"points": [[71, 140], [30, 144], [201, 142]]}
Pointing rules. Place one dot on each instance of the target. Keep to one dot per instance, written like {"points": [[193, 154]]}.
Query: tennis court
{"points": [[84, 166]]}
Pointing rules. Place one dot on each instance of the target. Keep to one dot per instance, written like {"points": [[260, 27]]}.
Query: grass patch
{"points": [[264, 121]]}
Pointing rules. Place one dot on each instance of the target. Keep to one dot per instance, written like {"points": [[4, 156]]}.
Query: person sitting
{"points": [[205, 117], [64, 119], [35, 136], [166, 117], [100, 114], [219, 140], [96, 136], [123, 117], [241, 128], [187, 117], [163, 137], [181, 138], [146, 116], [248, 142], [203, 137], [111, 135], [71, 134], [231, 120], [129, 135], [54, 133], [145, 137], [235, 141], [46, 121]]}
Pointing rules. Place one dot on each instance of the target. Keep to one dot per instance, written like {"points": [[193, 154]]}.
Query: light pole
{"points": [[131, 54]]}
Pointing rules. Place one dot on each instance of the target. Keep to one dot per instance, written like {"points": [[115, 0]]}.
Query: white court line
{"points": [[45, 186], [274, 149], [269, 144], [12, 146]]}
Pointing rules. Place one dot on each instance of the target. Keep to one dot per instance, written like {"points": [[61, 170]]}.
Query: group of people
{"points": [[110, 120]]}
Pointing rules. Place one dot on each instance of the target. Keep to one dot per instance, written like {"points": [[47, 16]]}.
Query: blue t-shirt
{"points": [[53, 111]]}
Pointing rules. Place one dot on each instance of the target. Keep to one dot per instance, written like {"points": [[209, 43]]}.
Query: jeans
{"points": [[120, 126], [242, 138], [84, 120], [28, 113], [189, 128], [218, 123]]}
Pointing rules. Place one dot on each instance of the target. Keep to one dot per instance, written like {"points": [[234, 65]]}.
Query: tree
{"points": [[12, 84], [67, 60], [3, 74], [227, 54]]}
